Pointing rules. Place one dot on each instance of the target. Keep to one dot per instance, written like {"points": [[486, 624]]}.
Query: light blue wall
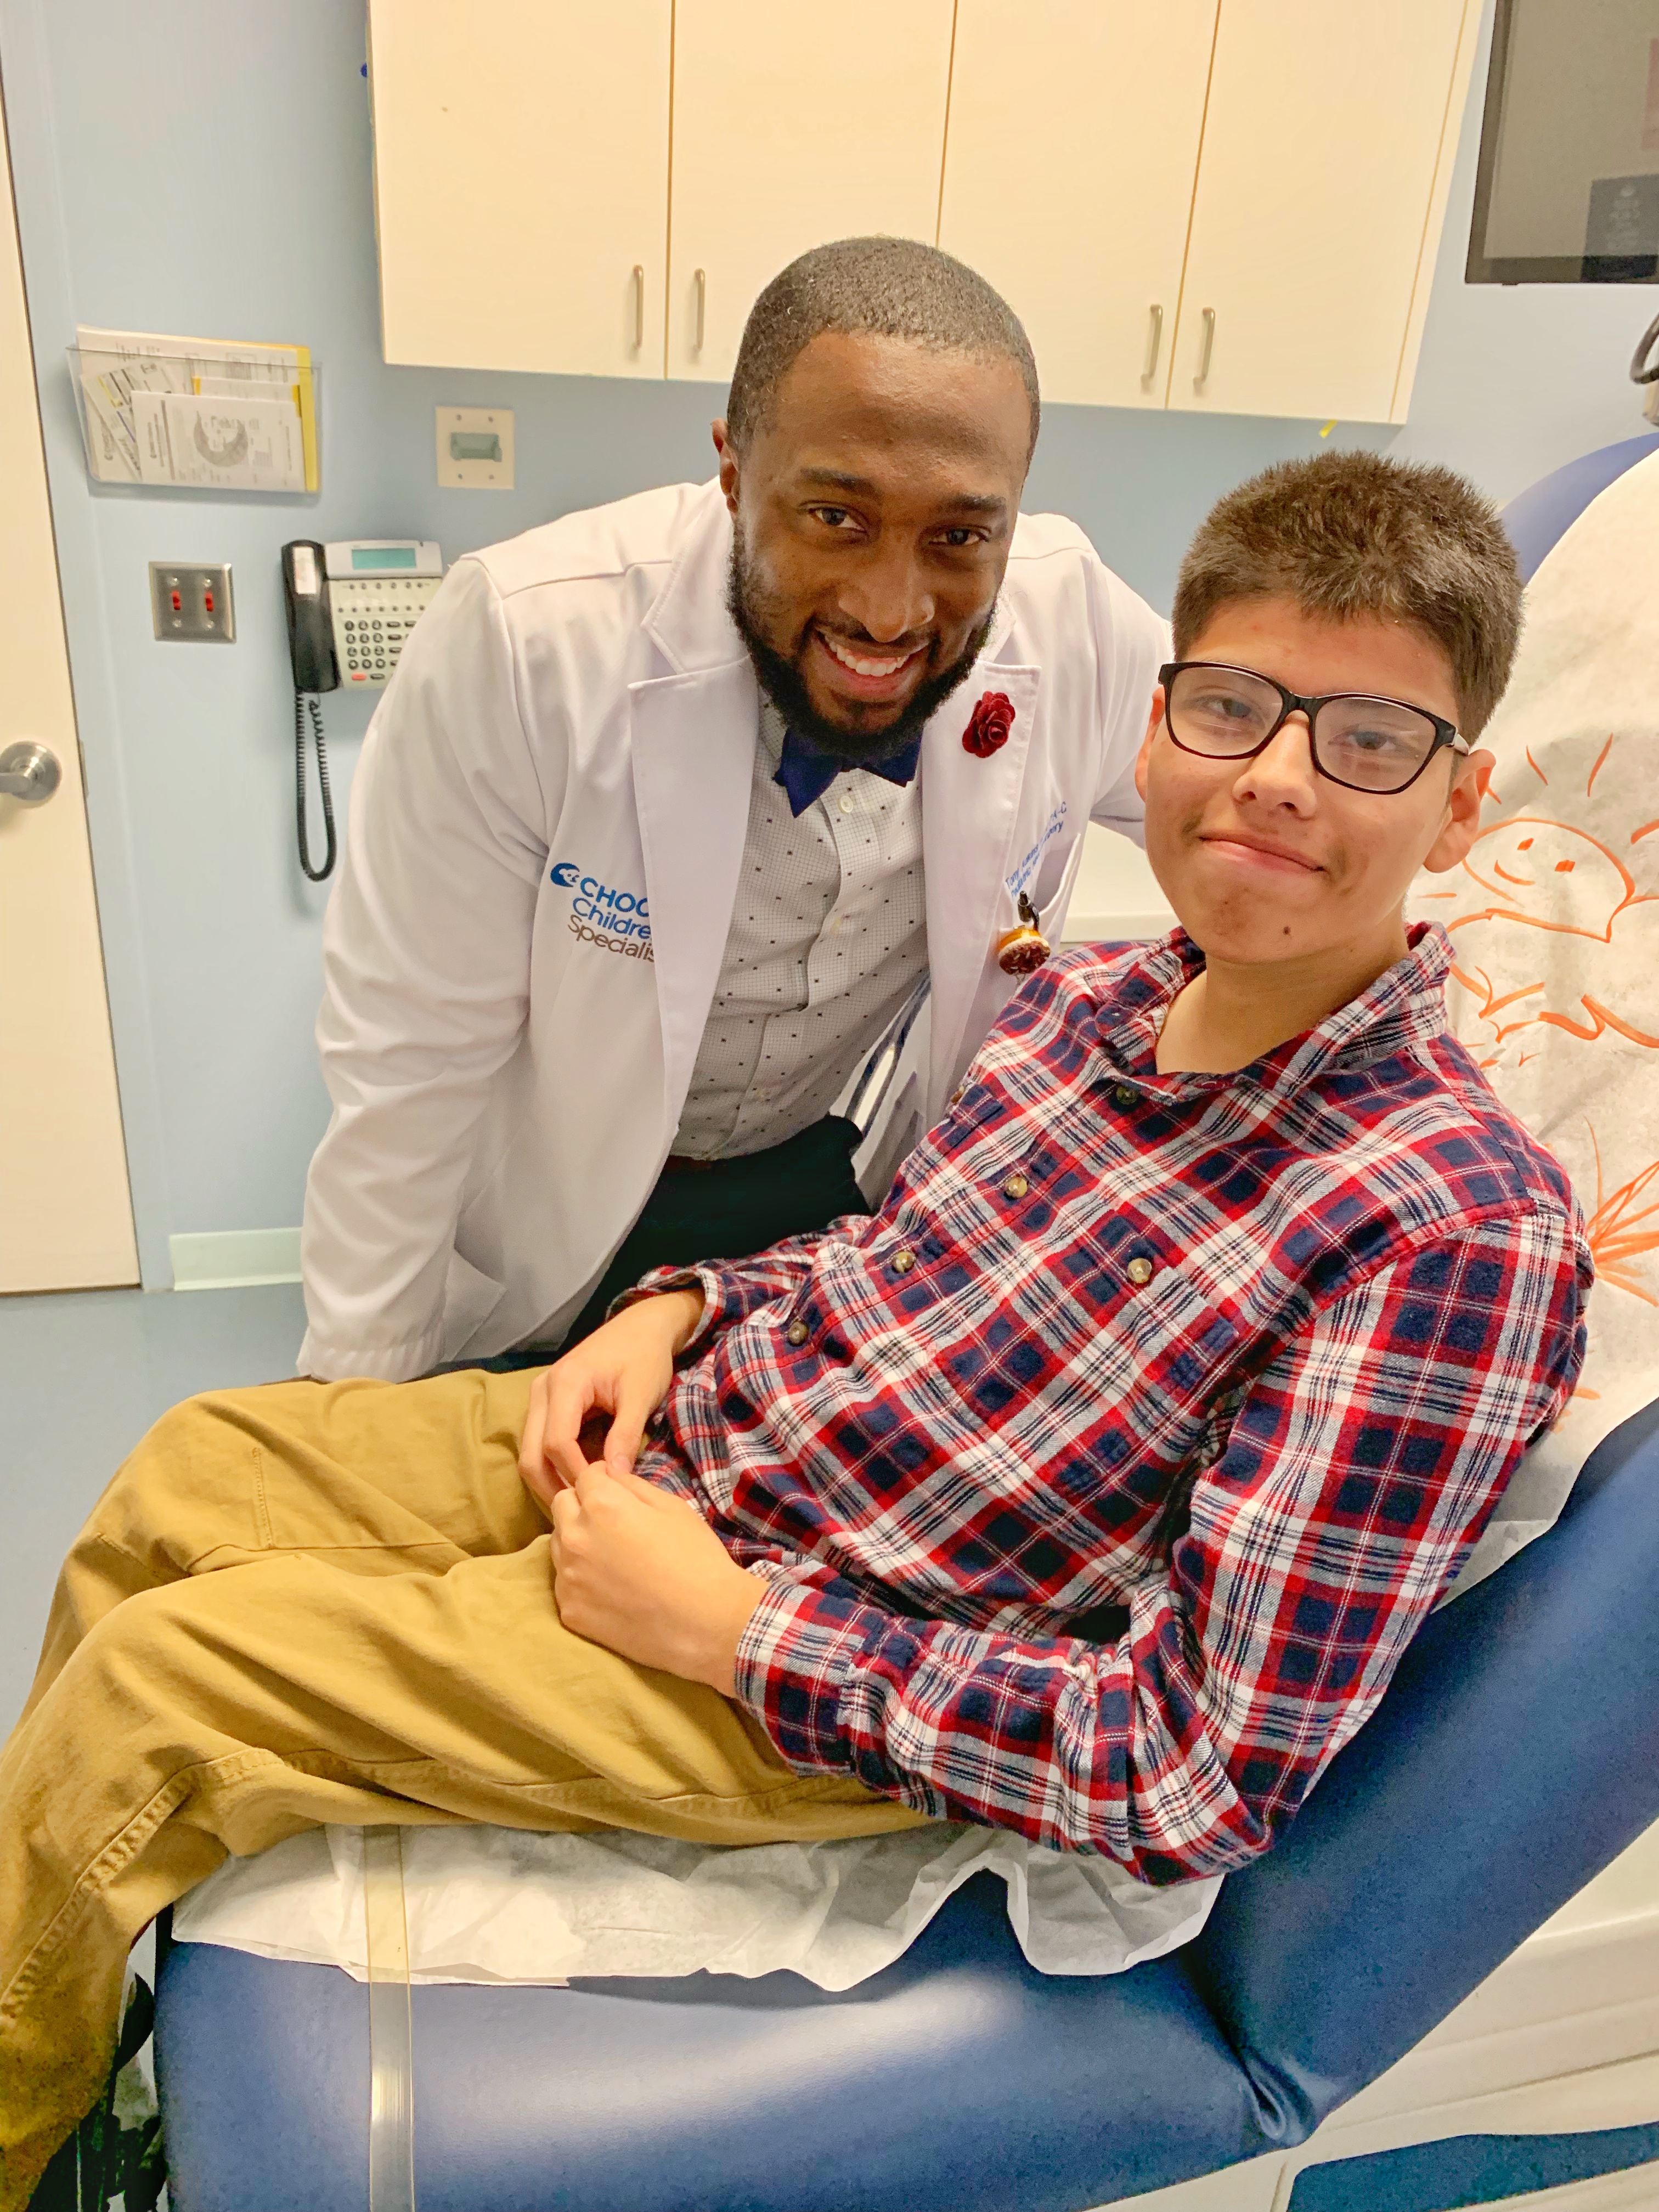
{"points": [[206, 170]]}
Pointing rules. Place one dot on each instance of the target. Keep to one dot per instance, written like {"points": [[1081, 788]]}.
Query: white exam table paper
{"points": [[1554, 924], [502, 1905]]}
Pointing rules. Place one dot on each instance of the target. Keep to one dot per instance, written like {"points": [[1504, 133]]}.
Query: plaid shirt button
{"points": [[1016, 1187], [1124, 1094], [797, 1333], [1140, 1271], [903, 1261]]}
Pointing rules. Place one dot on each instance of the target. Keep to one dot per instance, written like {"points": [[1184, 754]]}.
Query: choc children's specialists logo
{"points": [[602, 915]]}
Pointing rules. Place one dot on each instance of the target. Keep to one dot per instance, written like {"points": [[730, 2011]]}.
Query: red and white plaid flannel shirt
{"points": [[1102, 1478]]}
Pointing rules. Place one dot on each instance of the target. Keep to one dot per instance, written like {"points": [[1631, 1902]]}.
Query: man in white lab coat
{"points": [[672, 804]]}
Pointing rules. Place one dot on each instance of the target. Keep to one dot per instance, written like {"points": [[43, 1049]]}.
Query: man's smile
{"points": [[869, 671]]}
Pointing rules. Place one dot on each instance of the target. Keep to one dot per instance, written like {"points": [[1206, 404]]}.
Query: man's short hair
{"points": [[1349, 534], [890, 287]]}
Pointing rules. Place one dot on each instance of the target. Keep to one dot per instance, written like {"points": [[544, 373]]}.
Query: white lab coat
{"points": [[561, 766]]}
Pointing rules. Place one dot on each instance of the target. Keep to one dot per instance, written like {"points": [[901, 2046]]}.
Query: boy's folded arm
{"points": [[1362, 1466], [733, 1288]]}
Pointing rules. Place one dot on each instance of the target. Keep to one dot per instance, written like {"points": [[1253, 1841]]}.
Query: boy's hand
{"points": [[642, 1573], [619, 1376]]}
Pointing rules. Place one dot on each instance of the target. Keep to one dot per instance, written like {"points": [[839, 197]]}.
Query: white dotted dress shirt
{"points": [[828, 936]]}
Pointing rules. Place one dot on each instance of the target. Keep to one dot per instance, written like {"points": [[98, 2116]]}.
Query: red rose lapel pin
{"points": [[988, 725], [1024, 948], [1020, 951]]}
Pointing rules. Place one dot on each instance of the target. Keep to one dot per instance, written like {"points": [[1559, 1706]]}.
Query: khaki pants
{"points": [[307, 1603]]}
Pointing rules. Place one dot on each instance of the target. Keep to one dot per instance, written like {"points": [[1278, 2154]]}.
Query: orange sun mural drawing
{"points": [[1538, 939], [1554, 922], [1617, 1235]]}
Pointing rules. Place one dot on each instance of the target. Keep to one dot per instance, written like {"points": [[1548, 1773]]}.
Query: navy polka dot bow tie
{"points": [[806, 773]]}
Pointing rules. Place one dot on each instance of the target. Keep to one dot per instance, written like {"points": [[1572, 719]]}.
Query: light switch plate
{"points": [[475, 448], [191, 603]]}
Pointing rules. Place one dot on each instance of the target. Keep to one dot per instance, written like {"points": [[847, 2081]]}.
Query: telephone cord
{"points": [[302, 700]]}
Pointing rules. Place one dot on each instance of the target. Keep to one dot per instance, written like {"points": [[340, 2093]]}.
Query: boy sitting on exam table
{"points": [[1093, 1488]]}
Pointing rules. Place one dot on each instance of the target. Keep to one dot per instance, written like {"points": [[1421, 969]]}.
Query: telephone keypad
{"points": [[372, 617]]}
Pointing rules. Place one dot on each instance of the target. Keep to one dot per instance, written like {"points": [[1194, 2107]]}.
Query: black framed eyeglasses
{"points": [[1363, 742]]}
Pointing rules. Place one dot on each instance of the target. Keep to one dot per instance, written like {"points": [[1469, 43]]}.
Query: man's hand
{"points": [[622, 1371], [642, 1573]]}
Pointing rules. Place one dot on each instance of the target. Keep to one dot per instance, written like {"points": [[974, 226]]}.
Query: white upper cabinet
{"points": [[1225, 205], [793, 125], [1321, 182], [521, 182], [1068, 178]]}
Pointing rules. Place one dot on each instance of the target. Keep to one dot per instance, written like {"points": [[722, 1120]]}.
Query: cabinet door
{"points": [[1069, 166], [521, 179], [793, 126], [1316, 212]]}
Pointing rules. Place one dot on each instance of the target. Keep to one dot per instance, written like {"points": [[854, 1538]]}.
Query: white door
{"points": [[793, 125], [65, 1214], [521, 182], [1069, 165], [1329, 134]]}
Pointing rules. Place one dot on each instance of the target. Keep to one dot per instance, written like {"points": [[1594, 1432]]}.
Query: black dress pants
{"points": [[719, 1210]]}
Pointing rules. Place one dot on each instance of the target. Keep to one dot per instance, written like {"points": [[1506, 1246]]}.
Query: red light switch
{"points": [[191, 602]]}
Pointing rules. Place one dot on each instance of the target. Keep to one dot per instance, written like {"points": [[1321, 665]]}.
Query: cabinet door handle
{"points": [[639, 306], [1154, 340], [1204, 350], [701, 279]]}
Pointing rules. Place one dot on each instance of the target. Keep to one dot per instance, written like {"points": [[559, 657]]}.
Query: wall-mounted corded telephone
{"points": [[350, 605]]}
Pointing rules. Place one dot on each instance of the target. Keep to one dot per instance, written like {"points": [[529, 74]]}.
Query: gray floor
{"points": [[83, 1374]]}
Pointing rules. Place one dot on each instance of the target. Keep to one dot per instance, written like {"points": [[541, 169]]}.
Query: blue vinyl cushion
{"points": [[1516, 1753], [1536, 518]]}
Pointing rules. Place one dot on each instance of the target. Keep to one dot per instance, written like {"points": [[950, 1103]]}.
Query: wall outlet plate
{"points": [[189, 602], [475, 448]]}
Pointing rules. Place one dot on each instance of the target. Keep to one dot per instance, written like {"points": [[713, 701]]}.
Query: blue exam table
{"points": [[1515, 1754]]}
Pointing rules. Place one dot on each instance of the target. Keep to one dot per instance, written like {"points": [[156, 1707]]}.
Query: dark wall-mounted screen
{"points": [[1568, 192]]}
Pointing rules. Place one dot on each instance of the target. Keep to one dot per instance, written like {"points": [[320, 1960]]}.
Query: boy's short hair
{"points": [[1349, 534]]}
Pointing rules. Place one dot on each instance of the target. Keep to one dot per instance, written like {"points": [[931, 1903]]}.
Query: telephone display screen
{"points": [[383, 556]]}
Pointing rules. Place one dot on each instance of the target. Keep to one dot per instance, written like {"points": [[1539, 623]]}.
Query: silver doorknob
{"points": [[29, 773]]}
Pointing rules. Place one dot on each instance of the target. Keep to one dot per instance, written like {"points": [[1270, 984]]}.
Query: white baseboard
{"points": [[234, 1259]]}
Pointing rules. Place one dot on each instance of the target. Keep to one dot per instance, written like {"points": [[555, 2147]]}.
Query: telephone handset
{"points": [[353, 602], [311, 651], [310, 617]]}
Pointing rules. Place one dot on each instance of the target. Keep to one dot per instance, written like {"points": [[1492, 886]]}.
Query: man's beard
{"points": [[784, 684]]}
